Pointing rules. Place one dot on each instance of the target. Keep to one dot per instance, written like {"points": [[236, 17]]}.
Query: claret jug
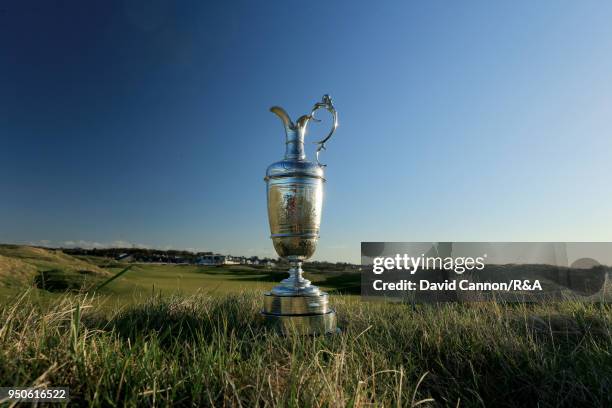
{"points": [[295, 202]]}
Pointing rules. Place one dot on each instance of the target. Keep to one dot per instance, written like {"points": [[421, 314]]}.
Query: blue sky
{"points": [[458, 120]]}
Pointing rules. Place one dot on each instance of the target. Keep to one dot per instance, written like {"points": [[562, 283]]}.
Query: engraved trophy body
{"points": [[295, 202]]}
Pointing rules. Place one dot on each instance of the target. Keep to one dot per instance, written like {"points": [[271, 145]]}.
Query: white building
{"points": [[216, 259]]}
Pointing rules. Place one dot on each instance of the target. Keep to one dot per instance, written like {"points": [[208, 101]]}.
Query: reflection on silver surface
{"points": [[303, 325], [294, 212], [296, 305]]}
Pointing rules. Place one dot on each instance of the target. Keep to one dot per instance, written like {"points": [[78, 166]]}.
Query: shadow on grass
{"points": [[347, 284], [339, 283], [58, 280], [255, 275], [185, 320]]}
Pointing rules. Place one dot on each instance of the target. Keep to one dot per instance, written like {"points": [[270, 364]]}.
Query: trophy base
{"points": [[304, 315]]}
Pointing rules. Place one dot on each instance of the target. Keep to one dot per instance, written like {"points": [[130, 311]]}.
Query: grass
{"points": [[168, 279], [51, 272], [186, 335], [204, 350], [48, 269]]}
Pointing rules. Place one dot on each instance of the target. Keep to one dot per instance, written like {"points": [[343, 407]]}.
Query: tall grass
{"points": [[214, 351]]}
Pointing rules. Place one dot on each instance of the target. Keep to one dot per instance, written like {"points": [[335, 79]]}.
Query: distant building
{"points": [[125, 257], [216, 259], [267, 262]]}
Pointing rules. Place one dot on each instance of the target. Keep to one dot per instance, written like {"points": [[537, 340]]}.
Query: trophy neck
{"points": [[295, 145]]}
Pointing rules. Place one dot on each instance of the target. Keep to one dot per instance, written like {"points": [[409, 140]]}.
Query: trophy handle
{"points": [[327, 103]]}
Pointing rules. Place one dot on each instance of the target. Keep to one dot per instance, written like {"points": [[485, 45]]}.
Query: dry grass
{"points": [[21, 265], [214, 351]]}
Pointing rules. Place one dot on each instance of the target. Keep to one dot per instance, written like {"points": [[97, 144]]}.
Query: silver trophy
{"points": [[295, 200]]}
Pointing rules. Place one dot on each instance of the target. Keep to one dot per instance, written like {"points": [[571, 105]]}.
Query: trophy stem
{"points": [[295, 284], [295, 274]]}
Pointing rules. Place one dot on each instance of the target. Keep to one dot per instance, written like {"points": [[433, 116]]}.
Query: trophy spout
{"points": [[294, 135], [284, 117]]}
